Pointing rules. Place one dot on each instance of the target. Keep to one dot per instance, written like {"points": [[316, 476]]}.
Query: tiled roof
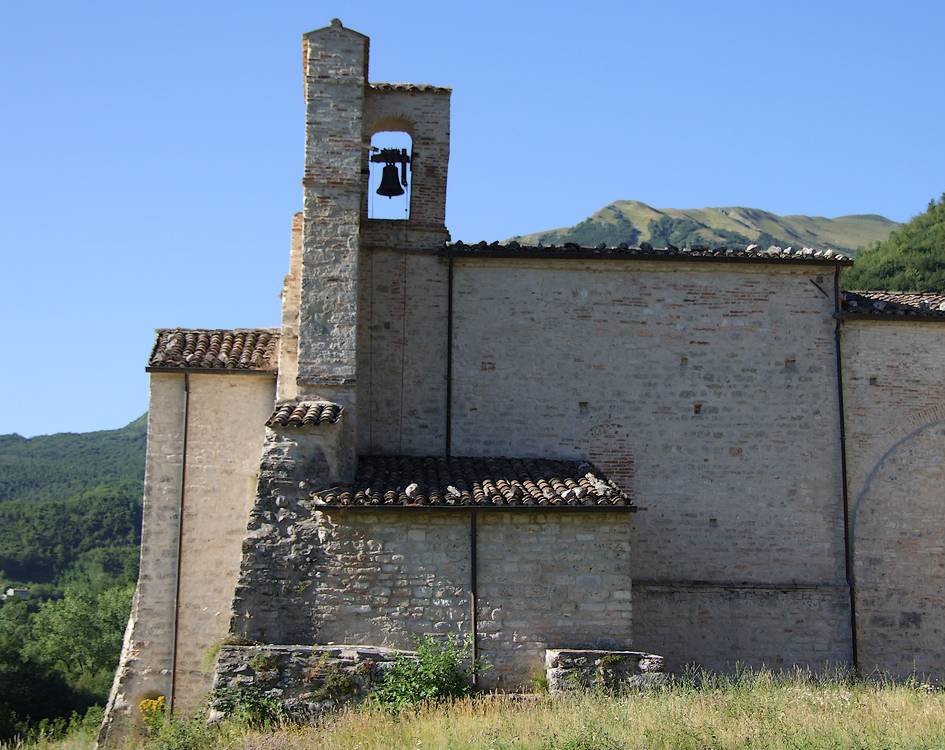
{"points": [[410, 87], [409, 481], [304, 413], [752, 253], [894, 304], [212, 349]]}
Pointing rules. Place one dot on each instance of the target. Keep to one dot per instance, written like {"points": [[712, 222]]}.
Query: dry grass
{"points": [[752, 711], [768, 713]]}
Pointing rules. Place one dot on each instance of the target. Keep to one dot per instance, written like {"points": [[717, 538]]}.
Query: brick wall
{"points": [[711, 391], [402, 353], [895, 418]]}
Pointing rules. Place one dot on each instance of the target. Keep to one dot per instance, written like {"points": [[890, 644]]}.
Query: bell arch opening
{"points": [[390, 176]]}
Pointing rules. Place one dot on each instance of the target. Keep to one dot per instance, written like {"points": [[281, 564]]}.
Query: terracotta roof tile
{"points": [[894, 304], [752, 253], [304, 413], [215, 349], [410, 481], [410, 87]]}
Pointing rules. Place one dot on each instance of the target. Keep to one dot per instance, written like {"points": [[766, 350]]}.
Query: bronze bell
{"points": [[390, 182]]}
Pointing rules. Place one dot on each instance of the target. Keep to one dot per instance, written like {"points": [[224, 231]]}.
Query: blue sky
{"points": [[151, 153]]}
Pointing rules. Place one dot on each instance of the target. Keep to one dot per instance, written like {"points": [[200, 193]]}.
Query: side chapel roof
{"points": [[390, 482], [241, 349], [892, 305]]}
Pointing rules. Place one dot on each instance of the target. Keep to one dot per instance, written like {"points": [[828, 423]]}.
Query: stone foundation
{"points": [[307, 680], [581, 669]]}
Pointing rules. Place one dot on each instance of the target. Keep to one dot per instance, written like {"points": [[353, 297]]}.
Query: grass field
{"points": [[758, 710]]}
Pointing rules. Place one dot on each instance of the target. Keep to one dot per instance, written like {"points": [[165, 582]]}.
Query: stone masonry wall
{"points": [[287, 386], [895, 417], [710, 391], [335, 65], [306, 680], [225, 436], [362, 578], [380, 578], [550, 580]]}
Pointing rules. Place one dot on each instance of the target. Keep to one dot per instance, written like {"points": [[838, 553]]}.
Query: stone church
{"points": [[716, 455]]}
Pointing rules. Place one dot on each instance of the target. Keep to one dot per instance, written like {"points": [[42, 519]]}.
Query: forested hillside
{"points": [[634, 222], [912, 259], [70, 520], [62, 496]]}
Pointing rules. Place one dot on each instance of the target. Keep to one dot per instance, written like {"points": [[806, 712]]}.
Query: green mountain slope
{"points": [[634, 222], [912, 259], [66, 496], [70, 520], [53, 467]]}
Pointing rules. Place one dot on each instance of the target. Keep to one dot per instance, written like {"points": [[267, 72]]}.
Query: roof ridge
{"points": [[751, 252]]}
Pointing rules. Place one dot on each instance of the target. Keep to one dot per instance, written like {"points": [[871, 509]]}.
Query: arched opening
{"points": [[388, 174]]}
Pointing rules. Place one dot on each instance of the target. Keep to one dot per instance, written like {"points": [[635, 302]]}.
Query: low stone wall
{"points": [[307, 680], [579, 669]]}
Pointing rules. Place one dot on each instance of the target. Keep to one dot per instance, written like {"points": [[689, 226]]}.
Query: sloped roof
{"points": [[303, 413], [750, 254], [248, 349], [879, 304], [494, 483], [410, 87]]}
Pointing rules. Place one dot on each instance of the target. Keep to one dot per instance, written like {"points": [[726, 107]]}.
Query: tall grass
{"points": [[750, 710]]}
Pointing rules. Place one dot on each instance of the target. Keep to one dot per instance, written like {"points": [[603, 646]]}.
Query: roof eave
{"points": [[555, 254], [212, 370], [482, 508]]}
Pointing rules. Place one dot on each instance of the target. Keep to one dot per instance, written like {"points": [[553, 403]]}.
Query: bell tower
{"points": [[343, 111]]}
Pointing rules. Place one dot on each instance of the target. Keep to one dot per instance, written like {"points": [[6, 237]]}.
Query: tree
{"points": [[80, 635], [911, 260]]}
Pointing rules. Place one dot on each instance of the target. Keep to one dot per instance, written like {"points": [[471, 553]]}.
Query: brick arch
{"points": [[392, 122], [609, 448], [928, 416], [898, 528]]}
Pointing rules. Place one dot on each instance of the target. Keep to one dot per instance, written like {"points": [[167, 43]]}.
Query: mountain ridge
{"points": [[635, 222]]}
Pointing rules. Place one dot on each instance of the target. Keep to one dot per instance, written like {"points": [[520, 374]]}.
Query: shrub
{"points": [[248, 706], [153, 711], [180, 734], [540, 683], [441, 670]]}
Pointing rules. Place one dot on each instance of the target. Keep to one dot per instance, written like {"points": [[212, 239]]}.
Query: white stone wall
{"points": [[895, 421], [225, 426], [145, 666], [225, 436]]}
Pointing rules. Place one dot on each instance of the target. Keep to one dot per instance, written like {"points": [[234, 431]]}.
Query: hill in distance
{"points": [[634, 222]]}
